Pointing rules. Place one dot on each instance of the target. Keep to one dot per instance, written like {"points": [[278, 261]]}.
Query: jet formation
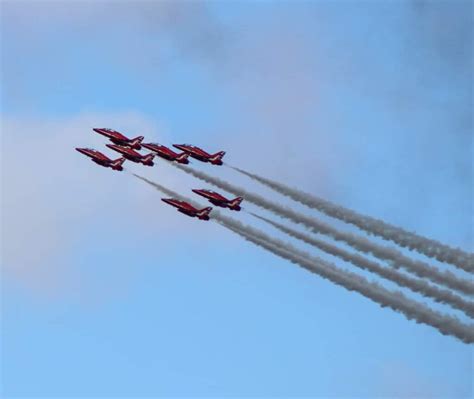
{"points": [[128, 149]]}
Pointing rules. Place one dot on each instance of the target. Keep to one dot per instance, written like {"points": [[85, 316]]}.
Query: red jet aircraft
{"points": [[101, 159], [200, 154], [219, 200], [188, 209], [132, 155], [167, 153], [119, 139]]}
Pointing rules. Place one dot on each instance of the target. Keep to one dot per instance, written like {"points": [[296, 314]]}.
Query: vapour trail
{"points": [[416, 285], [447, 325], [392, 255], [395, 300], [426, 246]]}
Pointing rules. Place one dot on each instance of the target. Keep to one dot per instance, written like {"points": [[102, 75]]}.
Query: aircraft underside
{"points": [[186, 212], [220, 204]]}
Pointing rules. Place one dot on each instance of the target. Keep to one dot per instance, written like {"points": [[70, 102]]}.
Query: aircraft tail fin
{"points": [[235, 203], [136, 142], [217, 158], [204, 213], [182, 158], [148, 159], [117, 164]]}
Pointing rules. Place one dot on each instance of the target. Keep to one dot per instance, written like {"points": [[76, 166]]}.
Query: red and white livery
{"points": [[119, 139], [167, 153], [188, 209], [200, 154], [132, 155], [219, 200], [101, 159]]}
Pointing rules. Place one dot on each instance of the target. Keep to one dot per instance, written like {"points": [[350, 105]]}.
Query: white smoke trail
{"points": [[416, 285], [413, 241], [411, 309], [392, 255]]}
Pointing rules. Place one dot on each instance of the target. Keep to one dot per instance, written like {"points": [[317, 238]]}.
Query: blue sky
{"points": [[107, 292]]}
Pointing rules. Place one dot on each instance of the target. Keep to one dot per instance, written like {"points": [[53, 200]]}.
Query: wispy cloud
{"points": [[50, 192]]}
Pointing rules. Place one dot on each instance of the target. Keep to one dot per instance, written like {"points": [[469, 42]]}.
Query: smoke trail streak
{"points": [[392, 255], [417, 285], [413, 241], [411, 309]]}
